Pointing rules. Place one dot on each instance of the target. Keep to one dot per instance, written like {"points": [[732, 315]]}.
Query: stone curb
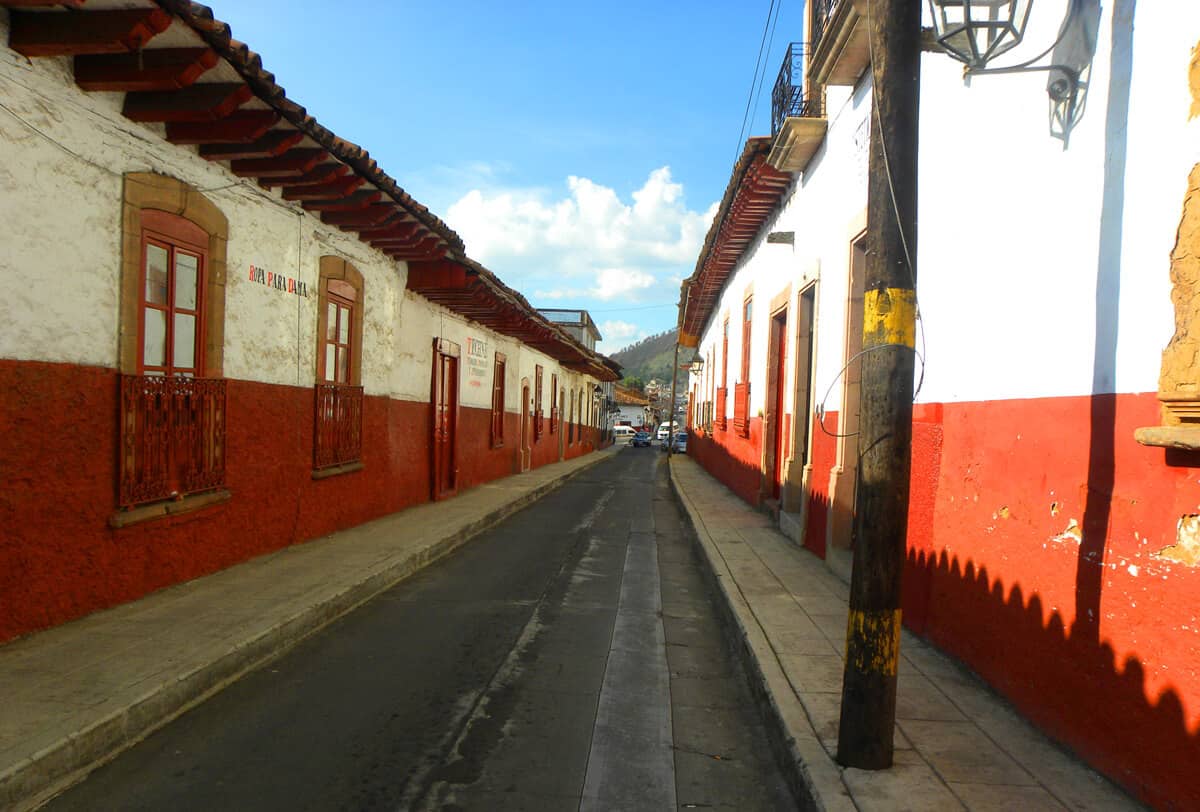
{"points": [[32, 782], [815, 779]]}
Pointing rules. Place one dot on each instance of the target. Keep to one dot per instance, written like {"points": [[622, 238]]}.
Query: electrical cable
{"points": [[758, 63], [763, 75]]}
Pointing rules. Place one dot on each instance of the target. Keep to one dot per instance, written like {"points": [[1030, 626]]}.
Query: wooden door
{"points": [[526, 452], [445, 419], [776, 399]]}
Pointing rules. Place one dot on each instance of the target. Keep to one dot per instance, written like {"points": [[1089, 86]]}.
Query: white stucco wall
{"points": [[65, 153], [1010, 237]]}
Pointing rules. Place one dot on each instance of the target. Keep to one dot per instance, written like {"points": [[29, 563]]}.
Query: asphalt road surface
{"points": [[570, 658]]}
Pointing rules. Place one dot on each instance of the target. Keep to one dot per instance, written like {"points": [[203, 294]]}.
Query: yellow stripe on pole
{"points": [[873, 641], [889, 317]]}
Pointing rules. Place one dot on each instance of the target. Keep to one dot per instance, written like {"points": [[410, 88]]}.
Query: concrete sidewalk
{"points": [[958, 745], [76, 695]]}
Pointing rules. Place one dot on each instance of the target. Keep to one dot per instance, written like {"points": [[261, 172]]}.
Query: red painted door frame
{"points": [[444, 400], [776, 397]]}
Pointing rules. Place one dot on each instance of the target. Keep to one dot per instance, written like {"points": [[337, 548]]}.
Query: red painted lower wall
{"points": [[59, 559], [736, 461], [1033, 528]]}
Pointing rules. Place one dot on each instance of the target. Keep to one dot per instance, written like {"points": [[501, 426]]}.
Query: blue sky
{"points": [[579, 149]]}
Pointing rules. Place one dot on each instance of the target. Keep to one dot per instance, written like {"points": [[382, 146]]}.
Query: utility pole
{"points": [[885, 424]]}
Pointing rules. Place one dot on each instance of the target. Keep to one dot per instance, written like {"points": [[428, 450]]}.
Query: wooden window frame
{"points": [[174, 235], [747, 334], [499, 370], [554, 416], [537, 406], [158, 205], [338, 279], [338, 405]]}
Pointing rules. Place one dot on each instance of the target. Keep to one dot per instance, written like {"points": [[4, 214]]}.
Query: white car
{"points": [[664, 431]]}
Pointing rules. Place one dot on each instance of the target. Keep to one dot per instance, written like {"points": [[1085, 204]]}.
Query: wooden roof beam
{"points": [[321, 173], [242, 126], [275, 142], [291, 164], [324, 191], [87, 32], [376, 214], [196, 103], [353, 202], [158, 69]]}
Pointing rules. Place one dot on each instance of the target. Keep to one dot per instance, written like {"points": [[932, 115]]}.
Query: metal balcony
{"points": [[787, 98], [797, 124], [840, 49]]}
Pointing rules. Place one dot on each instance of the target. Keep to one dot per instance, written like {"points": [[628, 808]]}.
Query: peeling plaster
{"points": [[1186, 549]]}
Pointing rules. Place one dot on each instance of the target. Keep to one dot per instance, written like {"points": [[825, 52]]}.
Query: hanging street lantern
{"points": [[697, 365], [974, 31]]}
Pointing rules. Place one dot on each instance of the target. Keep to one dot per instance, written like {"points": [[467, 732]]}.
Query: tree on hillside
{"points": [[633, 382]]}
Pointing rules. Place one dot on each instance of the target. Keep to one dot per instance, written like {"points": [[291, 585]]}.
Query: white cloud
{"points": [[587, 243], [618, 334]]}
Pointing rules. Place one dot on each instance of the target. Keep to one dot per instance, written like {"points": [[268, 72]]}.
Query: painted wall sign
{"points": [[287, 284], [477, 362]]}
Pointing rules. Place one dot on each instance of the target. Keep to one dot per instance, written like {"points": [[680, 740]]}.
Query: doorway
{"points": [[845, 473], [775, 441], [526, 452], [445, 418]]}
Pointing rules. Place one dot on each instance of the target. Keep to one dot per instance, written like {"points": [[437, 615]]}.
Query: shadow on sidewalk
{"points": [[1069, 686]]}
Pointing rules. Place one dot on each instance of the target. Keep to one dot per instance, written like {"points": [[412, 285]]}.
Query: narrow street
{"points": [[569, 658]]}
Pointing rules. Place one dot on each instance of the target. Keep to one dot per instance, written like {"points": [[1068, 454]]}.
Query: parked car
{"points": [[641, 439], [622, 433], [664, 431], [679, 444]]}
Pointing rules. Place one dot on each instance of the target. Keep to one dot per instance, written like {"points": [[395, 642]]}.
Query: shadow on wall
{"points": [[1101, 452], [742, 478], [1062, 680]]}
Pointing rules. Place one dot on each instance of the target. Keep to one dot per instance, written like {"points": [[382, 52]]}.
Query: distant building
{"points": [[633, 408], [576, 322]]}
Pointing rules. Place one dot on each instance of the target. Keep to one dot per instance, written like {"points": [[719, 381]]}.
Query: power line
{"points": [[758, 64]]}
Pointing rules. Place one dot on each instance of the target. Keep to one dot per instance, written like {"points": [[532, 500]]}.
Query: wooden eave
{"points": [[751, 199], [211, 91], [471, 291]]}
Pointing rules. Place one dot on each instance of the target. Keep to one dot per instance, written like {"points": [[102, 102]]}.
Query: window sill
{"points": [[337, 470], [188, 504], [1186, 438]]}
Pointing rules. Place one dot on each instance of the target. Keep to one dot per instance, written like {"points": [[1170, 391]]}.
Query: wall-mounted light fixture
{"points": [[697, 365], [975, 31]]}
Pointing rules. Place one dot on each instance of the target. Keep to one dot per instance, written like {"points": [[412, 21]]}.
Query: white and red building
{"points": [[1054, 527], [227, 330]]}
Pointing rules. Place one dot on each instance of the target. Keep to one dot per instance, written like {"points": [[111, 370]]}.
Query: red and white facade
{"points": [[1048, 548], [226, 330]]}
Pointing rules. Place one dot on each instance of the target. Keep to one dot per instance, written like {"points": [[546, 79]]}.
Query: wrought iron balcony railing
{"points": [[787, 98], [337, 438], [822, 13], [172, 437]]}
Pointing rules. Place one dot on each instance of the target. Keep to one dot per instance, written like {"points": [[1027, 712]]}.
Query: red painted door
{"points": [[779, 375], [526, 453], [445, 420]]}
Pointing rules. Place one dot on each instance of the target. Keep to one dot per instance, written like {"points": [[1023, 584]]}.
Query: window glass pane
{"points": [[156, 274], [331, 323], [344, 325], [185, 341], [154, 338], [343, 372], [187, 269], [330, 351]]}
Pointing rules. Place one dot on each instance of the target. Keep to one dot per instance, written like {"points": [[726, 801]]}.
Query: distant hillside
{"points": [[652, 358]]}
